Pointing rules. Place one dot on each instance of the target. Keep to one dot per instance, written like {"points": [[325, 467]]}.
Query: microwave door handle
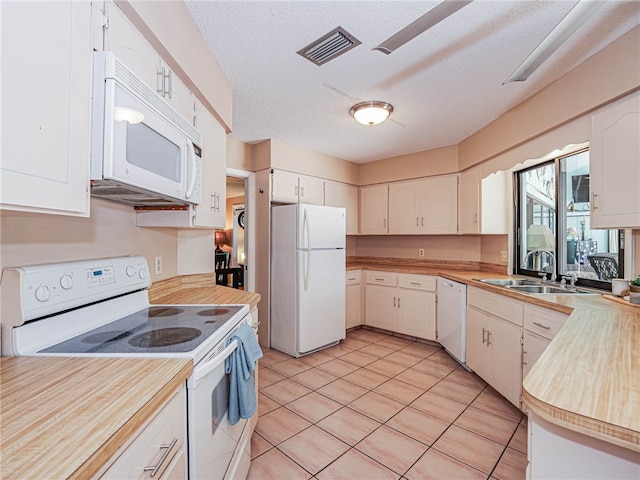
{"points": [[192, 183], [209, 365]]}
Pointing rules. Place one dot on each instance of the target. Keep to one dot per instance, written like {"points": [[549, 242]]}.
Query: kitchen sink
{"points": [[542, 289], [508, 282]]}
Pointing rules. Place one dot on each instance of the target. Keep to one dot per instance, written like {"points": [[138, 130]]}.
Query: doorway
{"points": [[239, 223]]}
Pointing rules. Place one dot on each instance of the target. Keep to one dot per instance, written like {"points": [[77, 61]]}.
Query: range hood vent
{"points": [[330, 46]]}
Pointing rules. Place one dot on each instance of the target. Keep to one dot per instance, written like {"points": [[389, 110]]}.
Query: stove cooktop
{"points": [[152, 330]]}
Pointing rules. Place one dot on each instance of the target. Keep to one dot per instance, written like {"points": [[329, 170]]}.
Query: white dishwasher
{"points": [[452, 318]]}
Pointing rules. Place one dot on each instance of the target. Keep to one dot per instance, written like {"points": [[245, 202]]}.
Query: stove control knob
{"points": [[66, 281], [42, 293], [130, 271], [142, 273]]}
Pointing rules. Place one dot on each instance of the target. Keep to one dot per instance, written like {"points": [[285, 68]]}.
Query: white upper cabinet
{"points": [[374, 202], [614, 165], [405, 207], [483, 203], [426, 206], [284, 187], [338, 194], [289, 187], [130, 46], [46, 111], [440, 205]]}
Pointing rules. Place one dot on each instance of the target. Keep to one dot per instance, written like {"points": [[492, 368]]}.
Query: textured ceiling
{"points": [[444, 85]]}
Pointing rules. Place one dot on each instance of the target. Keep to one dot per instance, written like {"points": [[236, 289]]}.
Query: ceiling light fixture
{"points": [[371, 112]]}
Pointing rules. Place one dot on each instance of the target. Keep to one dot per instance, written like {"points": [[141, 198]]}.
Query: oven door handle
{"points": [[204, 369]]}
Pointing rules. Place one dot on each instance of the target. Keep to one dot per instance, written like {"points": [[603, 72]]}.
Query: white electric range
{"points": [[101, 308]]}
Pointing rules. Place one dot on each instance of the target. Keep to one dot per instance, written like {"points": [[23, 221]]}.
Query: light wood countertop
{"points": [[66, 417], [588, 379], [199, 289]]}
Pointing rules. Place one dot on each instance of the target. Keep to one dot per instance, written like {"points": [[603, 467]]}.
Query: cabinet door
{"points": [[338, 194], [177, 94], [310, 190], [130, 46], [532, 348], [380, 306], [477, 350], [373, 209], [46, 111], [404, 208], [440, 205], [212, 211], [614, 165], [469, 211], [505, 359], [417, 313], [354, 305], [284, 187]]}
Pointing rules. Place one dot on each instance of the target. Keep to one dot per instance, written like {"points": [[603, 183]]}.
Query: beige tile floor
{"points": [[379, 406]]}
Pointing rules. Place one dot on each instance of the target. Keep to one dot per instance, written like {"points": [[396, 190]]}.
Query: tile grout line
{"points": [[372, 390]]}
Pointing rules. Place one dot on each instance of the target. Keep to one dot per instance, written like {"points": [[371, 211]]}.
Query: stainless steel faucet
{"points": [[538, 251]]}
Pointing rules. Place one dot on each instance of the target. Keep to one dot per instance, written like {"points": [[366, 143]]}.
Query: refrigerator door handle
{"points": [[307, 274], [307, 226]]}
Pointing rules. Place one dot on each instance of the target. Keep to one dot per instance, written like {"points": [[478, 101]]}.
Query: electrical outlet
{"points": [[158, 264], [421, 252], [503, 255]]}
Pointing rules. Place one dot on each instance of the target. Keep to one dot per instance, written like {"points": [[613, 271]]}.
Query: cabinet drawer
{"points": [[543, 321], [495, 304], [155, 444], [417, 282], [354, 277], [382, 278]]}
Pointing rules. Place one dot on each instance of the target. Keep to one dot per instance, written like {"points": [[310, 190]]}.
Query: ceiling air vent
{"points": [[330, 46]]}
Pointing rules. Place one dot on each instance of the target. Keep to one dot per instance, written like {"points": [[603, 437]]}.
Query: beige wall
{"points": [[277, 154], [31, 239], [437, 247], [606, 76], [239, 156], [422, 164], [491, 247]]}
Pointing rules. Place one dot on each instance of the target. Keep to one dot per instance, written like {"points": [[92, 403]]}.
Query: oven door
{"points": [[215, 446]]}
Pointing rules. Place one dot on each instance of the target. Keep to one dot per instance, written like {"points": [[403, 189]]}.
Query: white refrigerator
{"points": [[307, 278]]}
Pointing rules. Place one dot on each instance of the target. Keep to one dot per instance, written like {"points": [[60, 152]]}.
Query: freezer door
{"points": [[321, 227], [321, 298]]}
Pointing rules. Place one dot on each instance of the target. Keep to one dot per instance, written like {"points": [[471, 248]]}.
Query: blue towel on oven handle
{"points": [[240, 365]]}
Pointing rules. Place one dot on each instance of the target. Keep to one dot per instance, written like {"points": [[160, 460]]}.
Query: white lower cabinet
{"points": [[494, 344], [540, 326], [353, 297], [401, 303], [557, 453], [158, 450], [532, 347]]}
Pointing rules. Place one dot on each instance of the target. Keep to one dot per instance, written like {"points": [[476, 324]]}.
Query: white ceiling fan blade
{"points": [[567, 26], [423, 23]]}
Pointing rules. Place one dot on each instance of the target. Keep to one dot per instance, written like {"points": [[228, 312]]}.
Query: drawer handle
{"points": [[379, 279], [351, 278], [415, 283], [541, 325], [154, 468], [488, 338], [483, 332]]}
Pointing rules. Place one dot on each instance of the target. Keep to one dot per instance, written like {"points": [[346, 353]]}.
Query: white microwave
{"points": [[143, 153]]}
